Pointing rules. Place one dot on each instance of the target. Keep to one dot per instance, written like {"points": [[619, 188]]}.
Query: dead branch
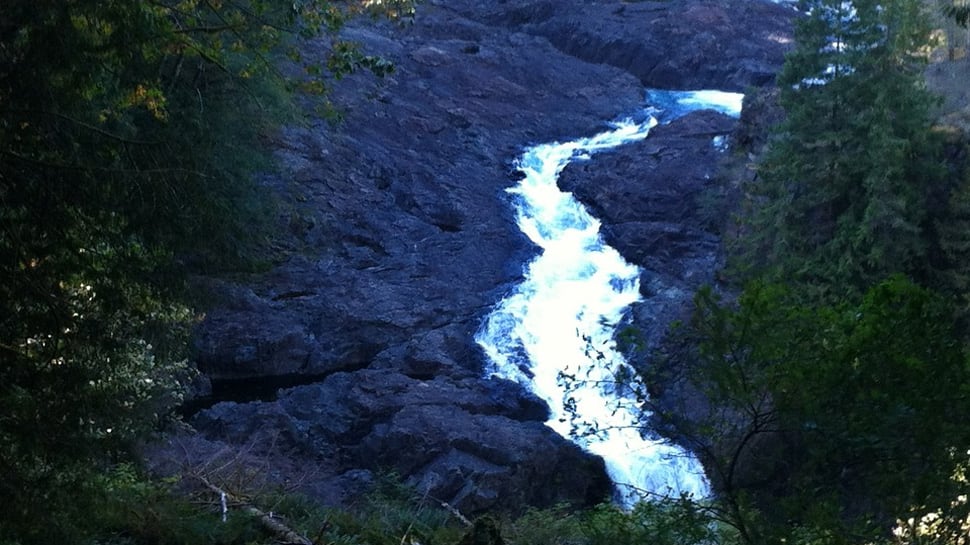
{"points": [[456, 513], [272, 524]]}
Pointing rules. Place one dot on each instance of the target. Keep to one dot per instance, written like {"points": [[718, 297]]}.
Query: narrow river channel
{"points": [[554, 333]]}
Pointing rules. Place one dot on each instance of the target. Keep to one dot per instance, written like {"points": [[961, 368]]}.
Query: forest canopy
{"points": [[129, 146], [836, 366]]}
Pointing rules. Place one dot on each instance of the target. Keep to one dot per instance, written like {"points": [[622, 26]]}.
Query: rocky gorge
{"points": [[398, 239]]}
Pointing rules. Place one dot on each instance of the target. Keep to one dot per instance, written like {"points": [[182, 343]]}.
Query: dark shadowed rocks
{"points": [[399, 238], [472, 443], [669, 44]]}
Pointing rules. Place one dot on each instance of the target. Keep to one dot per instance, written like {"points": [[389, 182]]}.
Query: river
{"points": [[554, 333]]}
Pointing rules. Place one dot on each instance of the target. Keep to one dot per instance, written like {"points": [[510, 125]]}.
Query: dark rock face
{"points": [[474, 442], [672, 44], [400, 237]]}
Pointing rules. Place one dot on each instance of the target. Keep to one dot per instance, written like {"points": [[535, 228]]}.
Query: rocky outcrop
{"points": [[475, 443], [399, 222], [399, 237], [670, 44]]}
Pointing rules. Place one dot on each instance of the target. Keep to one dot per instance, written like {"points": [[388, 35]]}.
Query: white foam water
{"points": [[555, 333]]}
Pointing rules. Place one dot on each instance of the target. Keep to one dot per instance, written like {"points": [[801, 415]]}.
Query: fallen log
{"points": [[275, 526]]}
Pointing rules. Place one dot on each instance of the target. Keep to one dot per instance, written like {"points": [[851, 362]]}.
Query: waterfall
{"points": [[554, 333]]}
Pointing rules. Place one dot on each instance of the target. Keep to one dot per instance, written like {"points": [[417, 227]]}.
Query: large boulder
{"points": [[474, 444]]}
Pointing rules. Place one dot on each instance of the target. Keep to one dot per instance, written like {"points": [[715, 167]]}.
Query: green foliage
{"points": [[837, 419], [846, 181], [959, 11], [837, 397], [953, 255], [122, 507], [393, 513], [554, 526], [664, 522], [484, 531], [127, 509], [129, 134], [944, 525], [134, 510], [91, 360]]}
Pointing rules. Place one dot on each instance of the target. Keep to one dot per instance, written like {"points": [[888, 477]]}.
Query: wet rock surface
{"points": [[400, 237], [651, 197]]}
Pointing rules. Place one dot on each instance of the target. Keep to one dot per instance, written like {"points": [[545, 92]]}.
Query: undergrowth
{"points": [[136, 510]]}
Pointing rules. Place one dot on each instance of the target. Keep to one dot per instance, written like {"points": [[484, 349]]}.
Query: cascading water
{"points": [[554, 333]]}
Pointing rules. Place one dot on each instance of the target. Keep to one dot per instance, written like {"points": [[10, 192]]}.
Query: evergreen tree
{"points": [[958, 10], [846, 179]]}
